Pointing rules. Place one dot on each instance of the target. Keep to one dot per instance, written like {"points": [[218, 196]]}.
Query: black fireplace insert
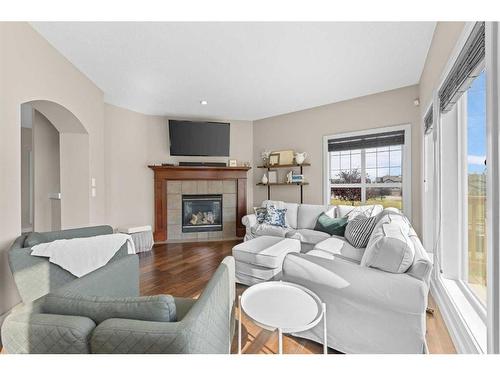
{"points": [[201, 213]]}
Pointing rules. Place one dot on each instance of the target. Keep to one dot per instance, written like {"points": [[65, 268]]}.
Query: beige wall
{"points": [[443, 42], [46, 181], [26, 148], [304, 131], [74, 150], [134, 141], [31, 69]]}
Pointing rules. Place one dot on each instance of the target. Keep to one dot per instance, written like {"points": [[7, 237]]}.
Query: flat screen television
{"points": [[198, 138]]}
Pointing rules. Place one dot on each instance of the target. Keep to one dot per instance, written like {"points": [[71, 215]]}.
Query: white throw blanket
{"points": [[81, 256]]}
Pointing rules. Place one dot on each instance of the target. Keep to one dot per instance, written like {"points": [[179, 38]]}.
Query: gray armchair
{"points": [[205, 325], [36, 276]]}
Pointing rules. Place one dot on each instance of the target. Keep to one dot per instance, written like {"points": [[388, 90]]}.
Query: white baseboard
{"points": [[463, 338]]}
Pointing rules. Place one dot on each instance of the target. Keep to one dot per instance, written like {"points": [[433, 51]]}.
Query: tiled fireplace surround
{"points": [[175, 190]]}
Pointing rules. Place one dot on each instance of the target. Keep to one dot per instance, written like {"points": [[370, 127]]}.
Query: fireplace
{"points": [[201, 213]]}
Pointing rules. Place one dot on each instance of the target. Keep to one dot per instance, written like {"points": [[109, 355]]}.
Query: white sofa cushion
{"points": [[308, 235], [291, 211], [337, 246], [259, 272], [308, 215], [390, 248], [265, 251], [352, 211], [270, 230]]}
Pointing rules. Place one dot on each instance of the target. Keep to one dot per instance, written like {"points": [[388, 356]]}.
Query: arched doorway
{"points": [[54, 168]]}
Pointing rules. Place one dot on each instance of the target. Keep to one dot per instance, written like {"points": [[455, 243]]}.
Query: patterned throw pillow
{"points": [[275, 216], [260, 213], [359, 230]]}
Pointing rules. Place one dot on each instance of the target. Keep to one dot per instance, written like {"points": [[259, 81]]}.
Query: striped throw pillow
{"points": [[359, 230]]}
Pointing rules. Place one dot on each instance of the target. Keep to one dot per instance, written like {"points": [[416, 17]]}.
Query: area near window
{"points": [[475, 139], [455, 155], [463, 152], [368, 168]]}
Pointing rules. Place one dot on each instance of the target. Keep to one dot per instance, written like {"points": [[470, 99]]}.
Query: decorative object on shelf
{"points": [[300, 157], [274, 158], [294, 178], [264, 179], [272, 177], [285, 157], [297, 178], [291, 178], [265, 157], [232, 163], [246, 164]]}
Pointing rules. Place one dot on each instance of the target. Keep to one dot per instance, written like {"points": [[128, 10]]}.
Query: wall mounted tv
{"points": [[198, 138]]}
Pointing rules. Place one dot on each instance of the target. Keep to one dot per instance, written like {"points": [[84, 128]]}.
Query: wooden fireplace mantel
{"points": [[162, 174]]}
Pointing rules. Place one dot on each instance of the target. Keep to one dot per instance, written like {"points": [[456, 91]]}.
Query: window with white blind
{"points": [[462, 150], [369, 167]]}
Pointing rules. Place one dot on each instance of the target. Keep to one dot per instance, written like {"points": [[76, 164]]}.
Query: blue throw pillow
{"points": [[275, 216]]}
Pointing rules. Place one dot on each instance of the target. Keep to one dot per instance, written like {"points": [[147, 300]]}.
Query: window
{"points": [[463, 204], [474, 130], [367, 168]]}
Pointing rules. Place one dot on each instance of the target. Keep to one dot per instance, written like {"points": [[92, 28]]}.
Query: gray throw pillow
{"points": [[359, 230], [159, 308], [34, 238]]}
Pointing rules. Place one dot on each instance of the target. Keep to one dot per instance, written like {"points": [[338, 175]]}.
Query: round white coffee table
{"points": [[282, 306]]}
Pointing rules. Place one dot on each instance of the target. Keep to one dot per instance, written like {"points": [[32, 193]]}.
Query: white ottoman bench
{"points": [[261, 258], [141, 235]]}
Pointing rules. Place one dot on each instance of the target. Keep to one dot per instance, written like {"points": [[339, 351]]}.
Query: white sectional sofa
{"points": [[369, 310]]}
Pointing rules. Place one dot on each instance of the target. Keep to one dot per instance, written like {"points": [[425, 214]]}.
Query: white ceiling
{"points": [[245, 71]]}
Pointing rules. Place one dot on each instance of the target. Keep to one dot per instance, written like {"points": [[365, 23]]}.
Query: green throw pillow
{"points": [[332, 226]]}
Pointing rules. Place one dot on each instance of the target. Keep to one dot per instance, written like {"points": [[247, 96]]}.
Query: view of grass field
{"points": [[389, 201]]}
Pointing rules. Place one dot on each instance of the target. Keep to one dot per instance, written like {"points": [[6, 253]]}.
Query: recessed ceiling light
{"points": [[203, 102]]}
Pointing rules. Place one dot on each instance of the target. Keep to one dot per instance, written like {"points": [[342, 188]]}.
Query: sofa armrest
{"points": [[249, 220], [338, 279], [27, 333]]}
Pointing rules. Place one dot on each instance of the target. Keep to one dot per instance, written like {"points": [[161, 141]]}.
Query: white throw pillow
{"points": [[352, 211], [390, 248]]}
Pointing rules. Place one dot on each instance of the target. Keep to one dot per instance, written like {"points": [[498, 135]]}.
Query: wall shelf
{"points": [[299, 184], [283, 183], [284, 166]]}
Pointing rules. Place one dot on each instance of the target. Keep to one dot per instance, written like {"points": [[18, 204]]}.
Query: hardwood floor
{"points": [[183, 270]]}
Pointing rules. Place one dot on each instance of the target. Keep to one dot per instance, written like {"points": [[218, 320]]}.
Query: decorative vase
{"points": [[265, 157], [300, 157], [264, 179]]}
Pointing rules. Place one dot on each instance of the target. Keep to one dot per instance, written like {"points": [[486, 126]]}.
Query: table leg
{"points": [[325, 336], [239, 325], [280, 341]]}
